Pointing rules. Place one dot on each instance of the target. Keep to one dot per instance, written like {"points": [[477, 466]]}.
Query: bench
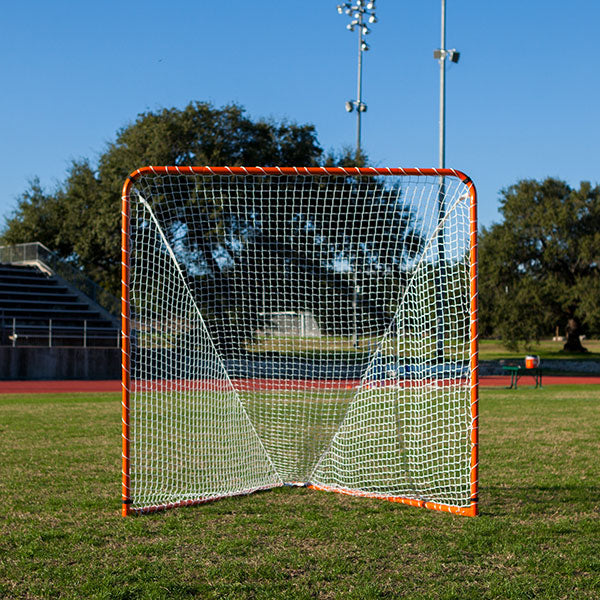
{"points": [[516, 372]]}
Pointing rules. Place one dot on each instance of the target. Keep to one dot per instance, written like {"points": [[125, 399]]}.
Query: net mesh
{"points": [[299, 329]]}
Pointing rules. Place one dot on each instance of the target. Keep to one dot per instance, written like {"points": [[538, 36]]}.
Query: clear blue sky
{"points": [[522, 103]]}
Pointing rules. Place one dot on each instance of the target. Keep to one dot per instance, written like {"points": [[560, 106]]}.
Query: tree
{"points": [[80, 220], [540, 267], [298, 252], [346, 157]]}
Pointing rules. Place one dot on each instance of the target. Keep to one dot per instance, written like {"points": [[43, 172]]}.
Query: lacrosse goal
{"points": [[299, 326]]}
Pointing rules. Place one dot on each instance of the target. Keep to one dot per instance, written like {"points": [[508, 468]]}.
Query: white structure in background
{"points": [[290, 323]]}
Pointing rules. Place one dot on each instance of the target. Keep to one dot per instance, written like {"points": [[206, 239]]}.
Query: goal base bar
{"points": [[128, 510], [466, 511]]}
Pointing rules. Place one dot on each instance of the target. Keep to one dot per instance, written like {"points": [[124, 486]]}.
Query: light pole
{"points": [[360, 13], [442, 54]]}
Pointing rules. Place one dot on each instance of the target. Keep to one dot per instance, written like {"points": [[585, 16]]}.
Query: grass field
{"points": [[538, 535], [342, 346], [494, 350]]}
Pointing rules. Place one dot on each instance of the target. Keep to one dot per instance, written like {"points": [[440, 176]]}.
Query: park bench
{"points": [[517, 371]]}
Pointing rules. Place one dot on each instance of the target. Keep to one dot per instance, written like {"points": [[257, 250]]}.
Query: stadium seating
{"points": [[37, 309]]}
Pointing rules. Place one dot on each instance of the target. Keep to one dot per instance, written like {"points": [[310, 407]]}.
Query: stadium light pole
{"points": [[442, 54], [360, 13]]}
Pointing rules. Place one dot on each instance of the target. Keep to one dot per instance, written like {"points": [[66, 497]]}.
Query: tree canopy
{"points": [[303, 242], [272, 244], [540, 267], [80, 220]]}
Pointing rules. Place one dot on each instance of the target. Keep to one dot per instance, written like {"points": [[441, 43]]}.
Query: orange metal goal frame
{"points": [[472, 508]]}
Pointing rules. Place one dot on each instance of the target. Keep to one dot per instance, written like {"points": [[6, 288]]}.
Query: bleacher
{"points": [[37, 309]]}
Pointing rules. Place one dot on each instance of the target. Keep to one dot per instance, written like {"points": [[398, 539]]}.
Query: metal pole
{"points": [[443, 90], [354, 309], [85, 333], [441, 193], [359, 86], [14, 334], [50, 333], [358, 12]]}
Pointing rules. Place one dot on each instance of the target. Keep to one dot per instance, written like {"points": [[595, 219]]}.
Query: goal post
{"points": [[299, 326]]}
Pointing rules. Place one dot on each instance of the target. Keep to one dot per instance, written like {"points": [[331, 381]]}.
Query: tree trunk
{"points": [[573, 331]]}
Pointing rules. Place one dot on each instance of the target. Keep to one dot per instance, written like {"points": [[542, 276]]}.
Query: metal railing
{"points": [[35, 252], [16, 334]]}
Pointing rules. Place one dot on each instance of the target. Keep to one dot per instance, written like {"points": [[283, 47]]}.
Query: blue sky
{"points": [[522, 103]]}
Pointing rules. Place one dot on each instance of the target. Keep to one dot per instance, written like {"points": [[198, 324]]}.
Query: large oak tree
{"points": [[540, 267], [80, 220]]}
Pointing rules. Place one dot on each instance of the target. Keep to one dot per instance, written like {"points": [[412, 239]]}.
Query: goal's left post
{"points": [[125, 349]]}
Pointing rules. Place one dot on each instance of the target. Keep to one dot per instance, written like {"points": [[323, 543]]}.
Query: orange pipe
{"points": [[474, 351], [314, 171], [468, 511], [125, 348]]}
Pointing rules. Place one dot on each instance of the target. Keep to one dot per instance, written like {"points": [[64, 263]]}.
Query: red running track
{"points": [[67, 387]]}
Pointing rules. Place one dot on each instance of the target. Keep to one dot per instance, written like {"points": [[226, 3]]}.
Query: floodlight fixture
{"points": [[371, 5], [349, 106], [453, 55], [372, 19]]}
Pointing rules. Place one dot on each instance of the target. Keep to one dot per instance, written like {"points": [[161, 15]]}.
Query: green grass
{"points": [[538, 536], [341, 347], [494, 350], [210, 446]]}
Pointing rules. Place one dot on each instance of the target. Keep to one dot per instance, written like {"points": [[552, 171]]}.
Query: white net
{"points": [[299, 329]]}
